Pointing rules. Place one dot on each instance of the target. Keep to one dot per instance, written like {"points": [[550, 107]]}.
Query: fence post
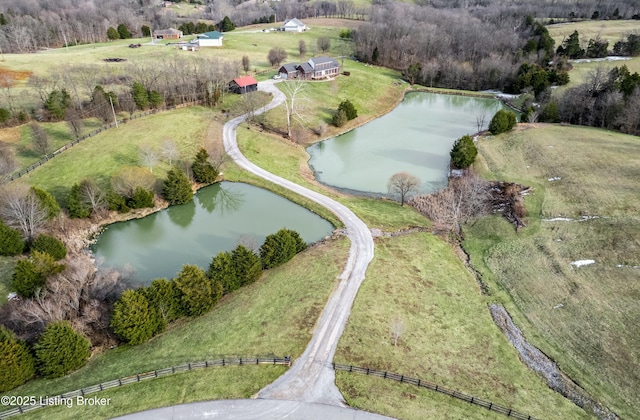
{"points": [[189, 366], [436, 387], [367, 371], [402, 378], [206, 363], [119, 381], [138, 377], [100, 385], [509, 413], [418, 382], [351, 368], [385, 374], [222, 362], [257, 361], [490, 405], [471, 400]]}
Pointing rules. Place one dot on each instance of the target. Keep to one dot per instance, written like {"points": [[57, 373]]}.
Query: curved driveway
{"points": [[311, 378]]}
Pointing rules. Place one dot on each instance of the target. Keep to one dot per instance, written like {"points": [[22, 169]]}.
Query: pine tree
{"points": [[164, 295], [30, 275], [16, 362], [11, 242], [221, 270], [198, 294], [48, 202], [246, 264], [76, 207], [203, 171], [134, 320], [349, 110], [60, 350], [177, 188], [49, 245], [463, 153]]}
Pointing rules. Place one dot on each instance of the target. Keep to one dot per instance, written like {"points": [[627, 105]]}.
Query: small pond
{"points": [[219, 217], [415, 137]]}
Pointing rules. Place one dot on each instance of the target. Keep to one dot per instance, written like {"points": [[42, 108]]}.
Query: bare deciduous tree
{"points": [[276, 56], [74, 121], [324, 43], [294, 104], [480, 121], [402, 184], [8, 162], [148, 155], [170, 151], [246, 63], [21, 209], [92, 195], [396, 328], [302, 47], [39, 138], [129, 178]]}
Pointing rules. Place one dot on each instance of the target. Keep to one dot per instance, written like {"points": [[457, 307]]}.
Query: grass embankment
{"points": [[586, 317], [274, 316], [448, 338]]}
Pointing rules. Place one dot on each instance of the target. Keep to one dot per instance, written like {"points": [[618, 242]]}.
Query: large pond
{"points": [[415, 137], [220, 216]]}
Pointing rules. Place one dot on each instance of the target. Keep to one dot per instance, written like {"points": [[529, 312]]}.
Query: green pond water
{"points": [[415, 137], [219, 217]]}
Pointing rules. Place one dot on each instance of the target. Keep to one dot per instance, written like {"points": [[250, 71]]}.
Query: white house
{"points": [[293, 25], [209, 39]]}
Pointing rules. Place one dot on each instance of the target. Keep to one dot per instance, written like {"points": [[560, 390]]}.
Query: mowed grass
{"points": [[581, 72], [101, 156], [210, 384], [448, 338], [584, 318], [610, 30], [274, 316]]}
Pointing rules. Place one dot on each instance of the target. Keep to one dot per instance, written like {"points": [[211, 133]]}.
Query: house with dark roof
{"points": [[318, 68], [170, 33], [293, 25], [243, 84], [209, 39], [288, 71]]}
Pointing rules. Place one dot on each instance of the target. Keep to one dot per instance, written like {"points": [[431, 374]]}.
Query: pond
{"points": [[415, 137], [219, 217]]}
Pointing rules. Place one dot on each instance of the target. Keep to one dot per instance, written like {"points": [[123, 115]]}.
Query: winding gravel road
{"points": [[311, 378]]}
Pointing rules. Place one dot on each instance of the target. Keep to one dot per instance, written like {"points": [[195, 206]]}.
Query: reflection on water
{"points": [[416, 137], [220, 217]]}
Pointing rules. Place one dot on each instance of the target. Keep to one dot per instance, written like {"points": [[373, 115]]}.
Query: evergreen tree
{"points": [[134, 320], [60, 350], [571, 47], [278, 248], [49, 245], [339, 118], [48, 202], [246, 264], [165, 296], [75, 205], [349, 110], [502, 121], [221, 270], [117, 202], [463, 153], [112, 33], [198, 294], [16, 362], [177, 188], [30, 275], [11, 242], [123, 31], [140, 95], [145, 30], [203, 171], [225, 25], [57, 103], [141, 198]]}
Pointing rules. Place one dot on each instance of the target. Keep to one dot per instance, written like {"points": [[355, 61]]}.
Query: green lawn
{"points": [[610, 30], [231, 382], [274, 316], [584, 318], [448, 337], [6, 269]]}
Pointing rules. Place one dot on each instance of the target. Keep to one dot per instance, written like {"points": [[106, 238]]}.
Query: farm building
{"points": [[188, 47], [209, 39], [170, 33], [243, 85], [288, 71], [293, 25], [318, 68]]}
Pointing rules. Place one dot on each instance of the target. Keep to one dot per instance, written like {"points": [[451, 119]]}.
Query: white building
{"points": [[293, 25], [209, 39]]}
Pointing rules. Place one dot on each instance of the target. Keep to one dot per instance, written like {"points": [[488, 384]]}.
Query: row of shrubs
{"points": [[140, 314]]}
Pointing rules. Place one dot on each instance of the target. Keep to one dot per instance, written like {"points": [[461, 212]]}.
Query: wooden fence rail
{"points": [[435, 387], [67, 146], [139, 377]]}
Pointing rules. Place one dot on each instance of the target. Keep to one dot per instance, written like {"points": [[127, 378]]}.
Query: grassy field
{"points": [[585, 317], [6, 268], [610, 30], [182, 388], [448, 338], [274, 316]]}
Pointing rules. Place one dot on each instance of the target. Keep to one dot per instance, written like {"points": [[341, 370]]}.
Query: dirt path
{"points": [[311, 379]]}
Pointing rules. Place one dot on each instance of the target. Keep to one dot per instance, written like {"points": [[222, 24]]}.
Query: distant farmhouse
{"points": [[293, 25], [209, 39], [170, 33], [243, 85], [316, 68]]}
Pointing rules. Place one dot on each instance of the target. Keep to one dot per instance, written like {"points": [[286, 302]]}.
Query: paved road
{"points": [[254, 409], [311, 378]]}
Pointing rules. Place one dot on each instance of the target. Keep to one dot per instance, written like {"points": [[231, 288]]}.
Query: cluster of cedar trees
{"points": [[345, 112], [140, 314]]}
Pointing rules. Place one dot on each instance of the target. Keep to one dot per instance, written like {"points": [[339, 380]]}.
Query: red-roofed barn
{"points": [[243, 84]]}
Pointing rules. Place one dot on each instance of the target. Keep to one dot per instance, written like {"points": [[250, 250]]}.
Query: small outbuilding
{"points": [[209, 39], [243, 85], [293, 25], [170, 33]]}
